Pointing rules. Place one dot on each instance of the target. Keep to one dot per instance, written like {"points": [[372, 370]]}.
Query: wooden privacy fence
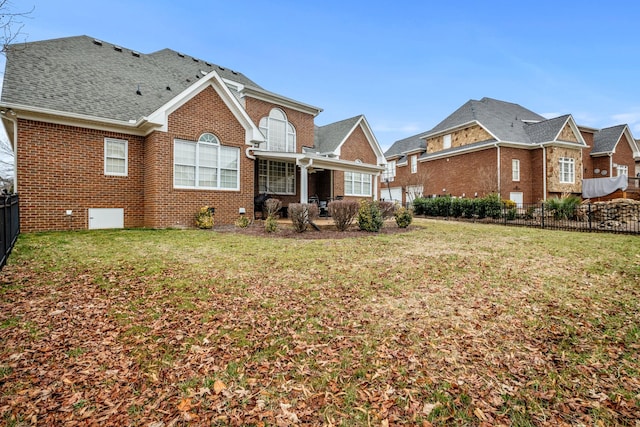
{"points": [[9, 225]]}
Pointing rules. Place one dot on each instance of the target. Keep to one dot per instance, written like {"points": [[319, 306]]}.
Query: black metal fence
{"points": [[619, 216], [9, 225]]}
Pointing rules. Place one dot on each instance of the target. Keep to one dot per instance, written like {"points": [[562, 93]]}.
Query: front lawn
{"points": [[447, 324]]}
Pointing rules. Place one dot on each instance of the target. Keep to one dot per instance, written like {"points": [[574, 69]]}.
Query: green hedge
{"points": [[486, 207]]}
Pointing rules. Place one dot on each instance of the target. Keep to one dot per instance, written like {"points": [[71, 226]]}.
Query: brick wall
{"points": [[356, 147], [525, 184], [62, 168], [171, 207]]}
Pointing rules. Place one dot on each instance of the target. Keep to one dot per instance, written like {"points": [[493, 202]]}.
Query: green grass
{"points": [[450, 323]]}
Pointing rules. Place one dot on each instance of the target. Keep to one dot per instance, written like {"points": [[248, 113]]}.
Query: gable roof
{"points": [[605, 140], [329, 139], [84, 77], [547, 130], [506, 123], [503, 120], [402, 146]]}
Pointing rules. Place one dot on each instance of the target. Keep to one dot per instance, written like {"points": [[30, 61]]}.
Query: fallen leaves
{"points": [[324, 333]]}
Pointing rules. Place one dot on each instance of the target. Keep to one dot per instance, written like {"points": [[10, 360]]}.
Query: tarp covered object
{"points": [[600, 187]]}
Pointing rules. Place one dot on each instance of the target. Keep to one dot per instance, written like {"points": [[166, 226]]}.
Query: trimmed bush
{"points": [[243, 221], [272, 207], [370, 216], [343, 213], [301, 214], [204, 218], [271, 224], [403, 217]]}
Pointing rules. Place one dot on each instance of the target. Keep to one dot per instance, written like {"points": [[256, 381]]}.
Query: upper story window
{"points": [[389, 174], [515, 170], [414, 164], [116, 153], [280, 134], [567, 170], [446, 141], [205, 164], [622, 170]]}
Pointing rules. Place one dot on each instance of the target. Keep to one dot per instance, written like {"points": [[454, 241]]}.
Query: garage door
{"points": [[393, 194], [106, 218]]}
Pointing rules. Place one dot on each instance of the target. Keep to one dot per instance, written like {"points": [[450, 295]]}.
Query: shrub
{"points": [[204, 218], [419, 205], [343, 212], [457, 208], [370, 216], [272, 207], [563, 208], [489, 206], [301, 214], [243, 221], [403, 217], [387, 208], [468, 207], [271, 224]]}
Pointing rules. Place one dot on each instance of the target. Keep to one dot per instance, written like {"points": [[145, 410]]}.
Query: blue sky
{"points": [[405, 65]]}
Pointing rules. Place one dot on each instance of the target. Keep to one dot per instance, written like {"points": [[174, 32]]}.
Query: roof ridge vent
{"points": [[136, 54], [181, 55], [221, 68], [117, 48], [97, 42], [195, 60]]}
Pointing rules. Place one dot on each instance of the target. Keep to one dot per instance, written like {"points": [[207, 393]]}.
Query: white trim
{"points": [[126, 156], [161, 115], [272, 98]]}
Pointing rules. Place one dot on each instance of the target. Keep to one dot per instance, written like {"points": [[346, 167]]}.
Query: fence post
{"points": [[542, 215], [589, 213]]}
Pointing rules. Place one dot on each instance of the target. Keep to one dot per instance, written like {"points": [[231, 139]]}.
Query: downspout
{"points": [[544, 173], [15, 150], [610, 165], [498, 167]]}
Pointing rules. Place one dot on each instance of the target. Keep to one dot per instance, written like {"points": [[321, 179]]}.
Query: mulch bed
{"points": [[287, 231]]}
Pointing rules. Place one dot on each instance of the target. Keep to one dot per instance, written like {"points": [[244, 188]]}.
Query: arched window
{"points": [[280, 134], [205, 164]]}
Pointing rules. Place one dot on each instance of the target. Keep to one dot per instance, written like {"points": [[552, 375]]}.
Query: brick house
{"points": [[107, 137], [492, 146]]}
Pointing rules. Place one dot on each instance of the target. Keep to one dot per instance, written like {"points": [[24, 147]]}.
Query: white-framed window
{"points": [[390, 172], [116, 157], [356, 183], [567, 170], [277, 177], [414, 163], [622, 170], [515, 170], [280, 134], [446, 141], [205, 164]]}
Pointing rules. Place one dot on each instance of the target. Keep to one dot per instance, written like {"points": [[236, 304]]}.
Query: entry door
{"points": [[517, 197], [106, 218]]}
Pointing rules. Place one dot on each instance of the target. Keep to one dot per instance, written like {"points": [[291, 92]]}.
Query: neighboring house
{"points": [[109, 137], [492, 146]]}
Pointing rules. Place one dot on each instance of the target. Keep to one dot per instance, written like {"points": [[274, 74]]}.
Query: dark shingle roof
{"points": [[84, 76], [504, 120], [605, 140], [329, 137], [545, 131], [407, 144]]}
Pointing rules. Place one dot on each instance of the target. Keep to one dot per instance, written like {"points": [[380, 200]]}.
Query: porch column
{"points": [[376, 178], [304, 184]]}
